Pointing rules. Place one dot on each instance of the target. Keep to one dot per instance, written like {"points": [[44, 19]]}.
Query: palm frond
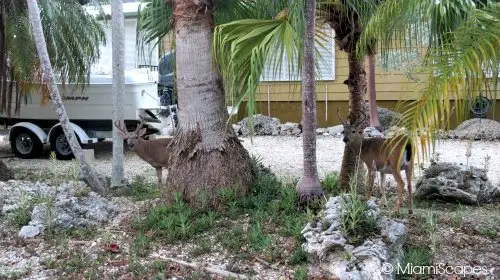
{"points": [[460, 70]]}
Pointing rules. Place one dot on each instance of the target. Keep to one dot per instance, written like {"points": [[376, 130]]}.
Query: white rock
{"points": [[29, 231]]}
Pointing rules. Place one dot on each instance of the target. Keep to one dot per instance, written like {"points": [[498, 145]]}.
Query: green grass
{"points": [[141, 189], [242, 226], [330, 184], [355, 224], [416, 256], [300, 274], [299, 256], [141, 245]]}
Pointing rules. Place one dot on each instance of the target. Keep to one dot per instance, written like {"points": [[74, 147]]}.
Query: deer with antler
{"points": [[152, 151], [383, 155]]}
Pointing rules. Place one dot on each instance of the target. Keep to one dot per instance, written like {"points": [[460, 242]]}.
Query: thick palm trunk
{"points": [[372, 92], [309, 186], [357, 90], [118, 53], [205, 154], [48, 78]]}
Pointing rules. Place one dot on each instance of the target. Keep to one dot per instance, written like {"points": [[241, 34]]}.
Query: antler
{"points": [[121, 129], [139, 126], [338, 115]]}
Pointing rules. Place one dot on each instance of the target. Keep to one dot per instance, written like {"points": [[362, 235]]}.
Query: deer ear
{"points": [[142, 132]]}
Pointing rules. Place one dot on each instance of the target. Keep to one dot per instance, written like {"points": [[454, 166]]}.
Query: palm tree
{"points": [[205, 154], [71, 56], [372, 91], [461, 41], [309, 186], [49, 82], [118, 53], [242, 48]]}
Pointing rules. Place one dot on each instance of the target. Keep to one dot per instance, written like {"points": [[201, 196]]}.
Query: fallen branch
{"points": [[266, 264], [212, 270]]}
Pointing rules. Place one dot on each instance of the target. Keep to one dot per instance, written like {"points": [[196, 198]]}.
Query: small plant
{"points": [[202, 246], [299, 256], [74, 170], [416, 256], [486, 164], [355, 222], [141, 245], [331, 183], [458, 217], [429, 226], [300, 274], [52, 156], [140, 189]]}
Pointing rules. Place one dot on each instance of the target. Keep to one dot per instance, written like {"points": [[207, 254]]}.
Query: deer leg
{"points": [[369, 186], [158, 176], [396, 172], [409, 173], [382, 189]]}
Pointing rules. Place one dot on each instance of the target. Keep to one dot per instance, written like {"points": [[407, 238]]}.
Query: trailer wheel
{"points": [[59, 144], [24, 143]]}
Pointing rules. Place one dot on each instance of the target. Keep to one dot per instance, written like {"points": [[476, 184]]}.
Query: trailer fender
{"points": [[33, 128], [82, 135]]}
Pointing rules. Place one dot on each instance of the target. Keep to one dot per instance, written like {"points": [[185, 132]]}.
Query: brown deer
{"points": [[385, 155], [152, 151]]}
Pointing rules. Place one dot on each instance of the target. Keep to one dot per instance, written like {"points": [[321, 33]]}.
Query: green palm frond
{"points": [[154, 22], [459, 70]]}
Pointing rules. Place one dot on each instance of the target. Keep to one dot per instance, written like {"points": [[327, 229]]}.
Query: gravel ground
{"points": [[283, 154]]}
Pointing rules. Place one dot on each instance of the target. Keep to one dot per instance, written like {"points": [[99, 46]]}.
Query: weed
{"points": [[234, 240], [299, 256], [331, 183], [141, 245], [416, 256], [458, 217], [21, 216], [300, 274], [488, 231], [140, 189], [202, 246], [355, 222], [74, 170], [429, 225], [257, 239]]}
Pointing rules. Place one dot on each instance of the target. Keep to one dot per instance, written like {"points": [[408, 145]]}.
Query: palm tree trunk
{"points": [[118, 53], [357, 90], [372, 91], [309, 186], [205, 154], [48, 77]]}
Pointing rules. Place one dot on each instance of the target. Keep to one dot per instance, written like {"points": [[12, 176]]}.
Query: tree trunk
{"points": [[357, 90], [309, 186], [118, 53], [372, 91], [205, 154], [48, 78]]}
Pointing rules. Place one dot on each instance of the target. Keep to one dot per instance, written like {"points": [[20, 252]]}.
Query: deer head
{"points": [[353, 133], [131, 138]]}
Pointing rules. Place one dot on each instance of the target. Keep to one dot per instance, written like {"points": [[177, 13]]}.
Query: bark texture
{"points": [[118, 58], [88, 172], [309, 186], [347, 33], [372, 92], [206, 155]]}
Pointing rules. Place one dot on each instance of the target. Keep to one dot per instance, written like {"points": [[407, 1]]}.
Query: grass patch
{"points": [[355, 222], [416, 256], [300, 274], [141, 245], [331, 184], [242, 226], [299, 256], [141, 189]]}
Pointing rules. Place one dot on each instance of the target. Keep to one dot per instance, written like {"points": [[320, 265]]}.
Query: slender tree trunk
{"points": [[372, 91], [88, 172], [357, 90], [205, 154], [309, 186], [118, 53]]}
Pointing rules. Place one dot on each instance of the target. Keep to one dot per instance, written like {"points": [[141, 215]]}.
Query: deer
{"points": [[383, 155], [152, 151]]}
